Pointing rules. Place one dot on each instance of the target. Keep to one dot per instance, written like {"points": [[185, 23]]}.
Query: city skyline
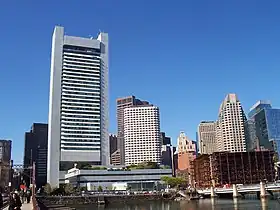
{"points": [[240, 47]]}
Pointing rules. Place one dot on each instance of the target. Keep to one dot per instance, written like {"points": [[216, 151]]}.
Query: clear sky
{"points": [[183, 56]]}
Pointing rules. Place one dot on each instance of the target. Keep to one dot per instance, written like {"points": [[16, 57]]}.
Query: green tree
{"points": [[47, 189], [84, 166], [69, 189], [173, 181], [100, 189]]}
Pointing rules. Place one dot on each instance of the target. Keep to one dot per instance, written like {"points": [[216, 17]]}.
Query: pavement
{"points": [[25, 206]]}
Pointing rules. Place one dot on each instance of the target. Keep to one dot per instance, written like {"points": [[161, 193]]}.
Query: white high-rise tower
{"points": [[78, 104], [142, 134], [230, 130]]}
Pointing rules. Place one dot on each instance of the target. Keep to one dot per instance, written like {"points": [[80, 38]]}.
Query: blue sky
{"points": [[183, 56]]}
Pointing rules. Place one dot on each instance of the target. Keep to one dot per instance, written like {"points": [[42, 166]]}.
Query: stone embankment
{"points": [[62, 201]]}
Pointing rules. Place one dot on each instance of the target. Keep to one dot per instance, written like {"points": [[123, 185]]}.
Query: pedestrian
{"points": [[22, 196], [1, 201], [28, 195], [15, 202]]}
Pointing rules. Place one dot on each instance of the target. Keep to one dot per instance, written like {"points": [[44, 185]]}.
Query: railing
{"points": [[35, 203], [5, 202]]}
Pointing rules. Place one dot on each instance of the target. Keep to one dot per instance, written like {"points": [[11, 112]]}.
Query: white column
{"points": [[212, 192], [235, 192], [262, 190]]}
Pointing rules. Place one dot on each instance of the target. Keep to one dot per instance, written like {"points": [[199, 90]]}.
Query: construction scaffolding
{"points": [[223, 168], [242, 167], [202, 171]]}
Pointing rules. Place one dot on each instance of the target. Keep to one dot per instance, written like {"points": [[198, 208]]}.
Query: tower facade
{"points": [[142, 135], [230, 130], [78, 106], [36, 150], [266, 127], [123, 103], [207, 137]]}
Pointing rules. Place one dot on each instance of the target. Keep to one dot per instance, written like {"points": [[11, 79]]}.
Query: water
{"points": [[203, 204]]}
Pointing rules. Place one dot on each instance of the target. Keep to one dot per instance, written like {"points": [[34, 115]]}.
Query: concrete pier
{"points": [[235, 192], [212, 192], [262, 190]]}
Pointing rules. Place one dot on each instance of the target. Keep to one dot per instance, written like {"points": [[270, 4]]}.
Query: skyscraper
{"points": [[142, 134], [267, 126], [207, 137], [5, 158], [123, 103], [78, 106], [36, 150], [166, 150], [230, 130]]}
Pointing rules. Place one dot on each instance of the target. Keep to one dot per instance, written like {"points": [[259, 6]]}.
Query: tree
{"points": [[84, 166], [69, 189], [173, 181], [47, 189], [100, 189]]}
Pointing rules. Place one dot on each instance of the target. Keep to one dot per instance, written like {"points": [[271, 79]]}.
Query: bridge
{"points": [[242, 189]]}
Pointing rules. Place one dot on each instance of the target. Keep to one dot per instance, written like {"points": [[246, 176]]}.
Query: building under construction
{"points": [[234, 168], [202, 172]]}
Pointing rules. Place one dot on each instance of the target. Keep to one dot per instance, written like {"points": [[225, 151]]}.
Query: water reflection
{"points": [[264, 203], [235, 203], [203, 204], [213, 203]]}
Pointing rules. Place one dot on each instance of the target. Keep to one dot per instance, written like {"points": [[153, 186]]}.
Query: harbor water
{"points": [[202, 204]]}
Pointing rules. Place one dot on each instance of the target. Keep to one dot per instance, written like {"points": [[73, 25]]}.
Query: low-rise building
{"points": [[138, 179]]}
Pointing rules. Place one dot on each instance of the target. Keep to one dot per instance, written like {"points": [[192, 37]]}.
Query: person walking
{"points": [[1, 201], [15, 203], [28, 195], [22, 195]]}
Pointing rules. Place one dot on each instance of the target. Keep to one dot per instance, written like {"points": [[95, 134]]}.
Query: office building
{"points": [[138, 179], [230, 130], [78, 106], [166, 150], [5, 159], [174, 161], [267, 127], [252, 142], [123, 103], [165, 140], [186, 155], [113, 145], [36, 150], [116, 158], [207, 137], [186, 151], [142, 135]]}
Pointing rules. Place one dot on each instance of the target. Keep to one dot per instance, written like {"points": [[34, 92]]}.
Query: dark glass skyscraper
{"points": [[267, 126], [36, 150]]}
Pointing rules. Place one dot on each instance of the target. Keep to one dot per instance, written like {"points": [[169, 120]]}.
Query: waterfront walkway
{"points": [[25, 206]]}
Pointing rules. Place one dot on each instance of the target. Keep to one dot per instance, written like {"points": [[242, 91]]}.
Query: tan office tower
{"points": [[230, 131], [142, 135], [207, 137], [123, 103]]}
